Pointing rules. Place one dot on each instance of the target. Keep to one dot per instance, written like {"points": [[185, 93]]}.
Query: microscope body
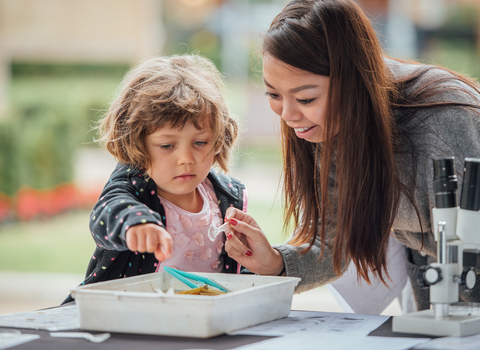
{"points": [[457, 232]]}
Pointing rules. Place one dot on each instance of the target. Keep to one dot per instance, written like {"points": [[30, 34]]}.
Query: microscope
{"points": [[457, 233]]}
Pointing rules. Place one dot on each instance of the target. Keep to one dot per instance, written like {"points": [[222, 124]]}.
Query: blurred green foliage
{"points": [[458, 55], [30, 69], [54, 108], [462, 17], [61, 245], [456, 45]]}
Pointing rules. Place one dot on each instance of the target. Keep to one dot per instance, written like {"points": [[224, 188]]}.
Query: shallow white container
{"points": [[135, 305]]}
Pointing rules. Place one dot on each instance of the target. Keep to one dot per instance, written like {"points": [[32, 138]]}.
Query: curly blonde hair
{"points": [[168, 91]]}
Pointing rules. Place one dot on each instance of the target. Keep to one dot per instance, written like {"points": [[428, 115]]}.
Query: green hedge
{"points": [[52, 115], [8, 157], [36, 149]]}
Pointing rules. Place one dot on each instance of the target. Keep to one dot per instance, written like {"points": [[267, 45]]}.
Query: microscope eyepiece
{"points": [[445, 183], [470, 197]]}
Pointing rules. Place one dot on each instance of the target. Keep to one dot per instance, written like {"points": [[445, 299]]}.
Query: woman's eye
{"points": [[271, 95], [200, 143], [166, 146], [306, 102]]}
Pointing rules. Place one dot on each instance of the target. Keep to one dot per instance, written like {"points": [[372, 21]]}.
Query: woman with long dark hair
{"points": [[359, 132]]}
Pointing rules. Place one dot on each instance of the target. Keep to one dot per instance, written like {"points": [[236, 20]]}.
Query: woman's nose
{"points": [[290, 112]]}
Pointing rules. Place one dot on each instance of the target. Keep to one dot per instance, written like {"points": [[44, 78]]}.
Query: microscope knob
{"points": [[428, 275], [468, 278]]}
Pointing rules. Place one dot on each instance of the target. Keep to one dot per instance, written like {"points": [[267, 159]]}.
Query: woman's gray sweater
{"points": [[434, 133]]}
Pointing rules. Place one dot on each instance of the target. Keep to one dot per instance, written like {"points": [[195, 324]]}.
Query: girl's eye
{"points": [[200, 143], [271, 95], [166, 146], [305, 102]]}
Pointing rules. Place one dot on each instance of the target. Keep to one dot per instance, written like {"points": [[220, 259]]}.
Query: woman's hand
{"points": [[249, 246], [150, 238]]}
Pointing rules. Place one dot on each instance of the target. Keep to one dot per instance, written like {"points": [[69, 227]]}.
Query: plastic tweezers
{"points": [[182, 276]]}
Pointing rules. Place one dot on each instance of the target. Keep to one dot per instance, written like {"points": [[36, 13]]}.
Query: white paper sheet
{"points": [[9, 340], [362, 298], [311, 341], [315, 322], [56, 319], [453, 343]]}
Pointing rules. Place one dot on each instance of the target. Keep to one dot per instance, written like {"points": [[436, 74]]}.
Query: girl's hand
{"points": [[249, 246], [150, 238]]}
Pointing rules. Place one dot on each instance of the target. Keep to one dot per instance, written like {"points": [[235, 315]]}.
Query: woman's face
{"points": [[298, 96]]}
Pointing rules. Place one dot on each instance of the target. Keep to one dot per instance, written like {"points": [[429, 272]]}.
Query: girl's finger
{"points": [[141, 242], [159, 255], [166, 244], [131, 241], [152, 242]]}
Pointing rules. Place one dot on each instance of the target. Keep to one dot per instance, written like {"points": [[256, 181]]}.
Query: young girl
{"points": [[359, 134], [167, 128]]}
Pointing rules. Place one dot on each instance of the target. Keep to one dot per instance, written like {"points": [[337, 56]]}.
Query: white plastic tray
{"points": [[132, 305]]}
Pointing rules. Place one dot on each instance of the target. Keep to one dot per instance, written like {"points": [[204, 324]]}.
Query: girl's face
{"points": [[179, 161], [298, 96]]}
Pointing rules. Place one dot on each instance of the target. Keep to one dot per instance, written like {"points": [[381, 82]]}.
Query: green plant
{"points": [[54, 108]]}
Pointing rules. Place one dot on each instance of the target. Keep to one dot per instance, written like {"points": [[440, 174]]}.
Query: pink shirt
{"points": [[192, 249]]}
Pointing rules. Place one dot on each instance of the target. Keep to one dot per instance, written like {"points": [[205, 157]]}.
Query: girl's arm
{"points": [[118, 209]]}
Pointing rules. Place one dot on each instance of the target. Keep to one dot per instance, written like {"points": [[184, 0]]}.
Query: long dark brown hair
{"points": [[357, 206]]}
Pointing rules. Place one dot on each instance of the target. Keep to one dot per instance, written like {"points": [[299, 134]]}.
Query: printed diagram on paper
{"points": [[56, 319], [305, 330], [325, 322]]}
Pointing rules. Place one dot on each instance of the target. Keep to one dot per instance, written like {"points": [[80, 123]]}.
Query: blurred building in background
{"points": [[412, 28], [56, 60], [224, 30], [86, 31]]}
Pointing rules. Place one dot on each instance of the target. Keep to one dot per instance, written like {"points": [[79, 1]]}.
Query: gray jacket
{"points": [[434, 133]]}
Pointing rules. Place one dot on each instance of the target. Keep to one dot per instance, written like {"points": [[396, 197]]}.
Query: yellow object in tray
{"points": [[202, 290]]}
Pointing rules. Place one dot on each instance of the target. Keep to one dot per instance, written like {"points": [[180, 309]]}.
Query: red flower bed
{"points": [[31, 203], [5, 207]]}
